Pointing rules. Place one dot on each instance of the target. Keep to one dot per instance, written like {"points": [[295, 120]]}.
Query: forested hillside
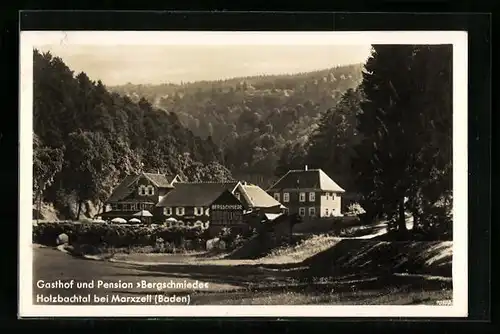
{"points": [[87, 138], [382, 130], [252, 119]]}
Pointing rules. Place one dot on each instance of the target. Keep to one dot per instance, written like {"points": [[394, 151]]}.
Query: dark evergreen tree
{"points": [[402, 151]]}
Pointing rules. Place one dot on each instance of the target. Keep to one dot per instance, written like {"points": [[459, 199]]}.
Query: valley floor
{"points": [[320, 270]]}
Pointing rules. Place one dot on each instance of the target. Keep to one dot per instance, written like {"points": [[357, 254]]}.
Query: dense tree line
{"points": [[252, 119], [382, 131], [87, 138]]}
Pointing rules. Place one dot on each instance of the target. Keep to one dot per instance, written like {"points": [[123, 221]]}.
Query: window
{"points": [[286, 197], [312, 211], [277, 196], [167, 211], [237, 195], [207, 212], [327, 195], [302, 212], [114, 206], [142, 190], [312, 197], [198, 211], [179, 211], [133, 207], [151, 190], [333, 195], [326, 212], [302, 197]]}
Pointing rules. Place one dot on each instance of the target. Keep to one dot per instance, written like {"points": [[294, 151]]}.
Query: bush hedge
{"points": [[120, 235]]}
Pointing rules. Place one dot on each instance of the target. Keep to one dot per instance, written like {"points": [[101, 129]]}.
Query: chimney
{"points": [[305, 168]]}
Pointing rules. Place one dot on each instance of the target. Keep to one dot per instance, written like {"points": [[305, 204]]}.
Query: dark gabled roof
{"points": [[197, 194], [125, 187], [160, 180], [227, 197], [310, 179]]}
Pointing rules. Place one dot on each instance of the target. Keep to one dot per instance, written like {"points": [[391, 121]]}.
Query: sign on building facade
{"points": [[226, 211]]}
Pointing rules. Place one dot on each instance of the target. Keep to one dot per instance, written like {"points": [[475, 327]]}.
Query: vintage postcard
{"points": [[243, 174]]}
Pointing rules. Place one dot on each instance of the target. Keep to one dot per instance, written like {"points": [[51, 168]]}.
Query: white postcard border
{"points": [[31, 39]]}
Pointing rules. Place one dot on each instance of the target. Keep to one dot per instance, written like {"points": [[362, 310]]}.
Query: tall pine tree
{"points": [[405, 122]]}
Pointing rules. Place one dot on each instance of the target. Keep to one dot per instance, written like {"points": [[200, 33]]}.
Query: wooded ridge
{"points": [[381, 130]]}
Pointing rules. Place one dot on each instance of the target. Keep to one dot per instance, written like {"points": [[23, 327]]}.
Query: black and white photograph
{"points": [[316, 174]]}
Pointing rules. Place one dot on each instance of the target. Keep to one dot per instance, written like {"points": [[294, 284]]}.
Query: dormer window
{"points": [[198, 211], [167, 211], [151, 190], [142, 190], [179, 211]]}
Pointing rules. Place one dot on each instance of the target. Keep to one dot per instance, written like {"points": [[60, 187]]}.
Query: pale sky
{"points": [[155, 64]]}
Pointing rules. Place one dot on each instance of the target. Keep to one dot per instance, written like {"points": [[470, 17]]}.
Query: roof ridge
{"points": [[205, 182], [278, 181], [247, 195]]}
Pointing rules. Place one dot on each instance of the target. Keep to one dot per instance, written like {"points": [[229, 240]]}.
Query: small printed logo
{"points": [[446, 302]]}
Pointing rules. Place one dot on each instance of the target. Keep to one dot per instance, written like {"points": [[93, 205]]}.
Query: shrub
{"points": [[233, 238], [354, 209], [118, 236]]}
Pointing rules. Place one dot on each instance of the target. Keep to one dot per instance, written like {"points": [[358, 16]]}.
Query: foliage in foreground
{"points": [[121, 236]]}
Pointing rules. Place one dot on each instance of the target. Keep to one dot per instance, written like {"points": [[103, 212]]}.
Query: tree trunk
{"points": [[402, 218], [416, 220], [39, 207], [79, 210]]}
